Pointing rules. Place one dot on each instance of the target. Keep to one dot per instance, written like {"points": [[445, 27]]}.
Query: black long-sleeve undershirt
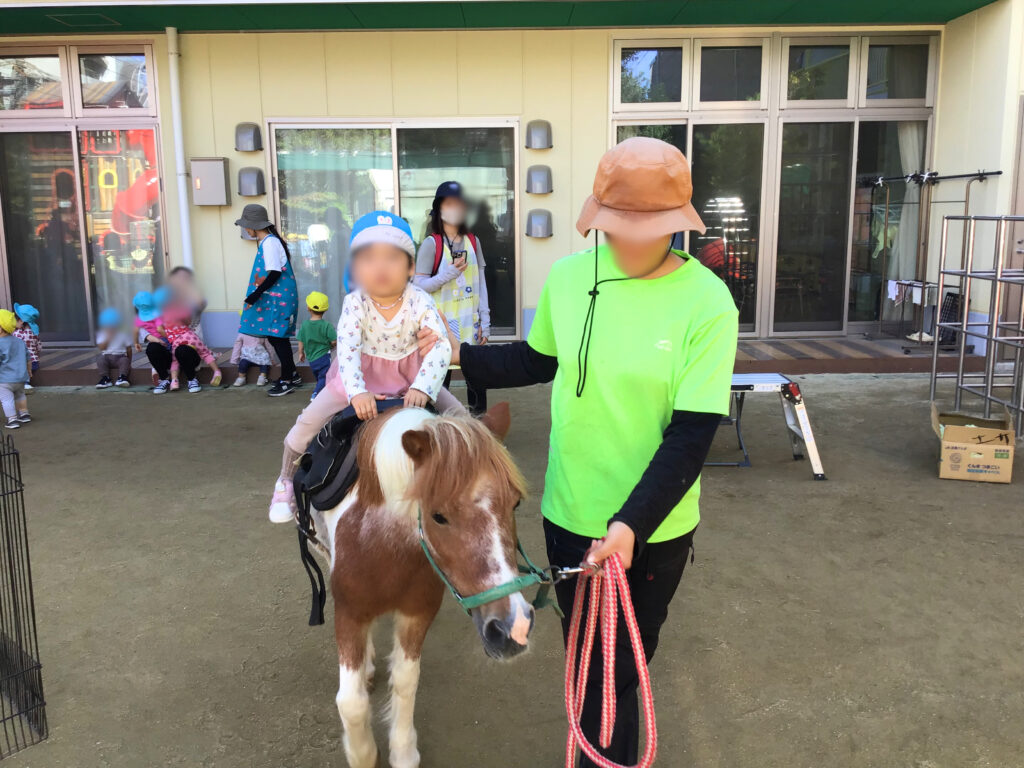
{"points": [[272, 277], [676, 463]]}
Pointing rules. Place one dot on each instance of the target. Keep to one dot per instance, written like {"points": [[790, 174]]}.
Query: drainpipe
{"points": [[173, 54]]}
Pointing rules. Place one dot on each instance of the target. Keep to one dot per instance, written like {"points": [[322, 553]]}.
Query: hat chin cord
{"points": [[583, 355]]}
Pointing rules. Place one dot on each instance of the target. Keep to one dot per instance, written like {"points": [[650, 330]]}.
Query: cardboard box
{"points": [[972, 448]]}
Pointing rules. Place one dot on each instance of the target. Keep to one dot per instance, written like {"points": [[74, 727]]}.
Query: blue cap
{"points": [[146, 306], [382, 227], [28, 314], [109, 318]]}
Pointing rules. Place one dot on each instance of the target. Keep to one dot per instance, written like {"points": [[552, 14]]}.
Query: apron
{"points": [[275, 312], [457, 298]]}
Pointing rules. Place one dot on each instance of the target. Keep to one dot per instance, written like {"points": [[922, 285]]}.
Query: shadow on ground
{"points": [[871, 620]]}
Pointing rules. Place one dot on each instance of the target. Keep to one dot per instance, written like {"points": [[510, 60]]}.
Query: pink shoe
{"points": [[282, 505]]}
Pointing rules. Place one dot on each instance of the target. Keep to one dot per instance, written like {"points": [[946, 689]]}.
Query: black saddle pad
{"points": [[327, 471]]}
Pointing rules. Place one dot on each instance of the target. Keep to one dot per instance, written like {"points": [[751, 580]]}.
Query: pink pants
{"points": [[332, 399]]}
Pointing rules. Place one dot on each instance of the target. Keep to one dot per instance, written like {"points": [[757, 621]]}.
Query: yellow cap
{"points": [[7, 320], [317, 301]]}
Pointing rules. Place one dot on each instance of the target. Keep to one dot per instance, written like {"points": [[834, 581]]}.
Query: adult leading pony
{"points": [[450, 481]]}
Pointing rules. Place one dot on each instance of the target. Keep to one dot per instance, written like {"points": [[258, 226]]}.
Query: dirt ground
{"points": [[876, 619]]}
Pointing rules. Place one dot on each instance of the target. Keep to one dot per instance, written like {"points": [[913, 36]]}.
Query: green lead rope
{"points": [[531, 575]]}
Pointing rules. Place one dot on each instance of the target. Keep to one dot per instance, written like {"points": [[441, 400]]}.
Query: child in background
{"points": [[28, 331], [317, 338], [180, 334], [14, 369], [378, 355], [115, 350], [251, 351], [148, 309]]}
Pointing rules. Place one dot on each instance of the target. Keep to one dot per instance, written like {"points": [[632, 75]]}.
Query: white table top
{"points": [[746, 380]]}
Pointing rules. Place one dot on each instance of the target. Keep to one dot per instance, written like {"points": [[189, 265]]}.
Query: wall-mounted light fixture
{"points": [[538, 135], [538, 180], [538, 223], [250, 182], [248, 138]]}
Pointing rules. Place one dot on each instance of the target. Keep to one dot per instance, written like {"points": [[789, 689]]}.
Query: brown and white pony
{"points": [[451, 472]]}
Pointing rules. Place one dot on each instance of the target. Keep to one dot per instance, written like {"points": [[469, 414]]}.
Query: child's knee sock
{"points": [[288, 462]]}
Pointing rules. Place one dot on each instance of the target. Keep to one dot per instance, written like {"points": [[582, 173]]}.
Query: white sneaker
{"points": [[262, 380], [239, 381], [282, 505], [28, 387], [193, 386]]}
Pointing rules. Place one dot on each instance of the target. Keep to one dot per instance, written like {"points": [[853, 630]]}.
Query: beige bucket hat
{"points": [[642, 191]]}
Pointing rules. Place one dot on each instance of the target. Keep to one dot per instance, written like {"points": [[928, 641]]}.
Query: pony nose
{"points": [[496, 632]]}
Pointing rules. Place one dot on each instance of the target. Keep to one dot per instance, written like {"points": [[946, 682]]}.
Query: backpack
{"points": [[439, 249]]}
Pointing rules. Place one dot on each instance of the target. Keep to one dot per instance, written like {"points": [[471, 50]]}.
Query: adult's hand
{"points": [[620, 540], [460, 263]]}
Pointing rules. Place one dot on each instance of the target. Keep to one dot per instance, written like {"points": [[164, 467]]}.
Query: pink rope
{"points": [[604, 603]]}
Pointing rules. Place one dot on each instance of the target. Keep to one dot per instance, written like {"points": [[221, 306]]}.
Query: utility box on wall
{"points": [[210, 184]]}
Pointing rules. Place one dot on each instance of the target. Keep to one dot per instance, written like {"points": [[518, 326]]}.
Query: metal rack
{"points": [[927, 181], [1003, 332]]}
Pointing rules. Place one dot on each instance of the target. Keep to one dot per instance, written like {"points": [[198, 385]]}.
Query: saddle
{"points": [[326, 472]]}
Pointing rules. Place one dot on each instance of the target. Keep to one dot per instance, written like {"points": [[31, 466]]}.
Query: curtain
{"points": [[903, 256]]}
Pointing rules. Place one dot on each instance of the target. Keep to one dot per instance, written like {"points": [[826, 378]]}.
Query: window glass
{"points": [[884, 242], [30, 82], [674, 134], [327, 178], [121, 185], [818, 72], [897, 71], [651, 75], [814, 211], [41, 229], [730, 73], [114, 81], [727, 163], [482, 160]]}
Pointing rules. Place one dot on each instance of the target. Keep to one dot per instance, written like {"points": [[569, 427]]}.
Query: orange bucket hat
{"points": [[642, 191]]}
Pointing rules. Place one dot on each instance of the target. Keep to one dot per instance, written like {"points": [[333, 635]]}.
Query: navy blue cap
{"points": [[448, 189]]}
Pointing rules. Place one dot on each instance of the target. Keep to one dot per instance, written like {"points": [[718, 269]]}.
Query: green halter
{"points": [[531, 575]]}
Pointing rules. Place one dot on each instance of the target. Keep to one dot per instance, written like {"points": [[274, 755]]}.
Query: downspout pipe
{"points": [[173, 56]]}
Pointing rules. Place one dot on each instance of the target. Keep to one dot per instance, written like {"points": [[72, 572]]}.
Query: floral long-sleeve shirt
{"points": [[363, 331]]}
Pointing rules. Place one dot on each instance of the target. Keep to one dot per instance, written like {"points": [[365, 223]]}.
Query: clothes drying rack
{"points": [[927, 181]]}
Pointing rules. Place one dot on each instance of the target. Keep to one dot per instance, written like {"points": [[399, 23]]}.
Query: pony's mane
{"points": [[463, 452]]}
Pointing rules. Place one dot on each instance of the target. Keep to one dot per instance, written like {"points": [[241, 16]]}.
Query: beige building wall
{"points": [[981, 81], [559, 76]]}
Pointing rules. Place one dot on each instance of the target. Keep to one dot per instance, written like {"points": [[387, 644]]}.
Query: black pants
{"points": [[283, 350], [476, 397], [653, 579], [160, 358]]}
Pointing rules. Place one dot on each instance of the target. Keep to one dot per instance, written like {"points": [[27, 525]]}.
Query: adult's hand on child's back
{"points": [[365, 405]]}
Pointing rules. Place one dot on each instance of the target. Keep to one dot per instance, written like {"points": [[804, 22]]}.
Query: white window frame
{"points": [[731, 42], [932, 41], [685, 44], [65, 84], [852, 74], [78, 102]]}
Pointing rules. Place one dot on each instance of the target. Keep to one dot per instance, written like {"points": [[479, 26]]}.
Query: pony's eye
{"points": [[440, 519]]}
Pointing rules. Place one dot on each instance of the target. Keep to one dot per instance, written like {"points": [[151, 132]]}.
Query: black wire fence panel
{"points": [[22, 706]]}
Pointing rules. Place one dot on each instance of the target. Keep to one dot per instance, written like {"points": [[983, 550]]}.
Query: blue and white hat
{"points": [[382, 227]]}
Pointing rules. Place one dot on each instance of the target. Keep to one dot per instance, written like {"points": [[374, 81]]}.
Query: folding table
{"points": [[798, 425]]}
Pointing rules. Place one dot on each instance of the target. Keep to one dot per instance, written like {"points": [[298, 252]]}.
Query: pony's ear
{"points": [[416, 443], [498, 420]]}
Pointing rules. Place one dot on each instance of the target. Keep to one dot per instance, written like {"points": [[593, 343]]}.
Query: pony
{"points": [[448, 481]]}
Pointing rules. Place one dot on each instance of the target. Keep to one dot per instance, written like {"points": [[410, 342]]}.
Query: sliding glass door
{"points": [[483, 160], [328, 176], [813, 225], [40, 203], [326, 179]]}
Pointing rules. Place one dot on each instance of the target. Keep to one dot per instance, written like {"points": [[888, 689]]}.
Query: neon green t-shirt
{"points": [[657, 346]]}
